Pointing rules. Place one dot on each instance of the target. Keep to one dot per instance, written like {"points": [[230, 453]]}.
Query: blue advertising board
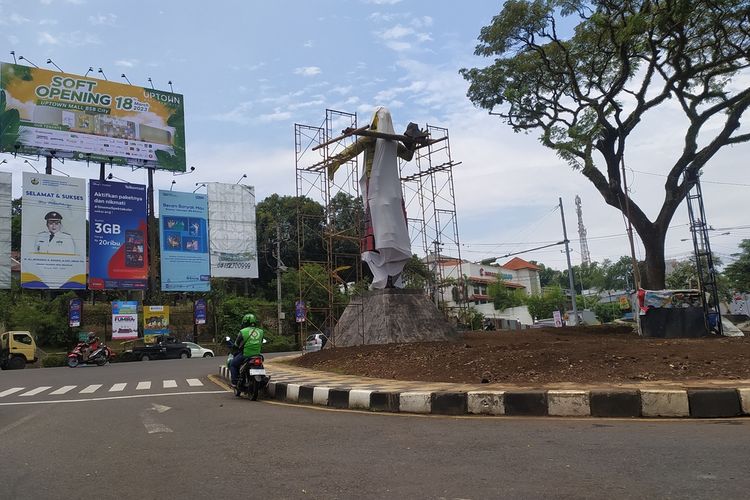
{"points": [[199, 312], [118, 254], [183, 224], [75, 307]]}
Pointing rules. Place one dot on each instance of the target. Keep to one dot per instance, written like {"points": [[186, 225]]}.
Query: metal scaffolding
{"points": [[427, 183]]}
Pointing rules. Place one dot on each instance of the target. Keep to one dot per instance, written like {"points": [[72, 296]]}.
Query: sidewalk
{"points": [[709, 399]]}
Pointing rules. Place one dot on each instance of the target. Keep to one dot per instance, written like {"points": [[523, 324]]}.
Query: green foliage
{"points": [[586, 93], [608, 312], [738, 272], [416, 274], [542, 306], [54, 360], [471, 318], [47, 321], [504, 297]]}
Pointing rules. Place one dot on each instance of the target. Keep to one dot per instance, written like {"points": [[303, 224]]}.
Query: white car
{"points": [[197, 351], [315, 342]]}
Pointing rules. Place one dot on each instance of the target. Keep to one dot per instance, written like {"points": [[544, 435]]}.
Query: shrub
{"points": [[53, 360]]}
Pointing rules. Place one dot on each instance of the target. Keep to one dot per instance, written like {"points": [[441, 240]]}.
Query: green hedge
{"points": [[53, 360]]}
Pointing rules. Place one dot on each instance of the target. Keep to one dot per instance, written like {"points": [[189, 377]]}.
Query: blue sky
{"points": [[250, 70]]}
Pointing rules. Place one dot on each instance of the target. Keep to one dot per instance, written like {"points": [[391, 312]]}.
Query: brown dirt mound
{"points": [[584, 355]]}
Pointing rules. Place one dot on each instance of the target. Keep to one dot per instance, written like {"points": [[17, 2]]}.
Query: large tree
{"points": [[587, 92]]}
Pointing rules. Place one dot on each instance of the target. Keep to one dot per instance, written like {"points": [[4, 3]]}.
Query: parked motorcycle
{"points": [[253, 376], [99, 354]]}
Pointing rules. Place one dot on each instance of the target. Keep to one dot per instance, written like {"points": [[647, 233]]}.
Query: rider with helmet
{"points": [[91, 343], [248, 343]]}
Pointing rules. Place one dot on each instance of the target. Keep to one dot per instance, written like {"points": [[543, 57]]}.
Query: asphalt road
{"points": [[201, 442]]}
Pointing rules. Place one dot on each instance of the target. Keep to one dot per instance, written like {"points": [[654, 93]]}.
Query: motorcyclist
{"points": [[91, 343], [248, 343]]}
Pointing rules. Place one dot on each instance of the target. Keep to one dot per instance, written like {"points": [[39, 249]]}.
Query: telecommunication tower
{"points": [[585, 255]]}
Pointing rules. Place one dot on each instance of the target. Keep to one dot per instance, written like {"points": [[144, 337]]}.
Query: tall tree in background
{"points": [[738, 272], [586, 94]]}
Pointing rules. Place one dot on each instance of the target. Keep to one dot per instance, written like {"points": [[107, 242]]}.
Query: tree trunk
{"points": [[653, 242]]}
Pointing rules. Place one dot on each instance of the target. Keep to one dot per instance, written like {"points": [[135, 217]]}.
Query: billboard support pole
{"points": [[48, 166], [151, 239], [101, 171]]}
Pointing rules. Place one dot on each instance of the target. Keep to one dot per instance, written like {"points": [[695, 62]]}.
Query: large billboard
{"points": [[183, 227], [59, 114], [5, 180], [231, 224], [118, 256], [53, 232]]}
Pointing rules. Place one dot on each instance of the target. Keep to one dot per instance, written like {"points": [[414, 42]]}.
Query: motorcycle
{"points": [[253, 378], [99, 354]]}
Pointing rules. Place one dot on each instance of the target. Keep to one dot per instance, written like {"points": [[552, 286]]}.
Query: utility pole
{"points": [[278, 276], [570, 268]]}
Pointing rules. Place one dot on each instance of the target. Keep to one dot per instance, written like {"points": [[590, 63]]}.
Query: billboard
{"points": [[183, 227], [118, 254], [124, 320], [58, 114], [5, 197], [231, 217], [53, 232], [155, 320]]}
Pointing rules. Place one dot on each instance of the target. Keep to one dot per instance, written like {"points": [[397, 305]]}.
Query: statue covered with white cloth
{"points": [[385, 244]]}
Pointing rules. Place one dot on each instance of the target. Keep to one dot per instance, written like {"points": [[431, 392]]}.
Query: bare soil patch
{"points": [[583, 355]]}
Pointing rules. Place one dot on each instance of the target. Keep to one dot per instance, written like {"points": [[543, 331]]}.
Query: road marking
{"points": [[18, 422], [34, 392], [111, 398], [170, 384], [10, 391], [194, 382], [64, 389], [143, 385], [118, 387], [90, 389]]}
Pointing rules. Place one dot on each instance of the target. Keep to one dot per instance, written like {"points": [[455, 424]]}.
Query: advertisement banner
{"points": [[53, 232], [184, 242], [124, 320], [71, 116], [75, 311], [118, 256], [199, 312], [5, 197], [155, 320], [300, 311], [231, 224]]}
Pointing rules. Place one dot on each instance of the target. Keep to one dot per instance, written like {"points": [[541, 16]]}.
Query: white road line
{"points": [[64, 389], [170, 384], [90, 389], [10, 391], [34, 392], [111, 398], [118, 387], [143, 385], [194, 382]]}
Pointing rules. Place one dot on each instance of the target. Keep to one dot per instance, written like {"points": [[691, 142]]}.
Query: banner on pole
{"points": [[118, 255], [231, 217], [124, 320], [53, 232], [155, 320], [199, 312], [75, 311], [184, 242], [5, 203]]}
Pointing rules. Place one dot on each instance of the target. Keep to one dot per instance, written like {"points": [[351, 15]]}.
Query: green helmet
{"points": [[249, 319]]}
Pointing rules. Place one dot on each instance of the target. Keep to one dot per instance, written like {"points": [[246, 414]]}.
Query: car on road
{"points": [[198, 351], [315, 342], [162, 348]]}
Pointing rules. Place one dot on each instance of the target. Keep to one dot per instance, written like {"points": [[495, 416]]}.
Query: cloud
{"points": [[308, 44], [103, 19], [240, 114], [307, 71], [126, 63], [73, 39], [383, 2], [48, 22], [276, 116], [18, 19], [396, 32], [47, 39]]}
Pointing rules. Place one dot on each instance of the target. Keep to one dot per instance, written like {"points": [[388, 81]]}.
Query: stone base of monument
{"points": [[390, 316]]}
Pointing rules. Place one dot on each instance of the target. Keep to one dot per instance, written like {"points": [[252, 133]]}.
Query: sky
{"points": [[250, 70]]}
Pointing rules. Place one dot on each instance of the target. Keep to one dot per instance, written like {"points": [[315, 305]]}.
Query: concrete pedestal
{"points": [[391, 315]]}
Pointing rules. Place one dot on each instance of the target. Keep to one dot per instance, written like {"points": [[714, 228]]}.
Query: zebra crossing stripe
{"points": [[170, 384], [34, 392], [63, 389], [143, 385], [90, 389], [194, 382], [10, 391], [118, 387]]}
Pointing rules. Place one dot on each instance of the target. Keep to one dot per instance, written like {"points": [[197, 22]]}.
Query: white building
{"points": [[472, 280]]}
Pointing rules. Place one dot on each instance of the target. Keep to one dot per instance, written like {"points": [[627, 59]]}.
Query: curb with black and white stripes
{"points": [[621, 403]]}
